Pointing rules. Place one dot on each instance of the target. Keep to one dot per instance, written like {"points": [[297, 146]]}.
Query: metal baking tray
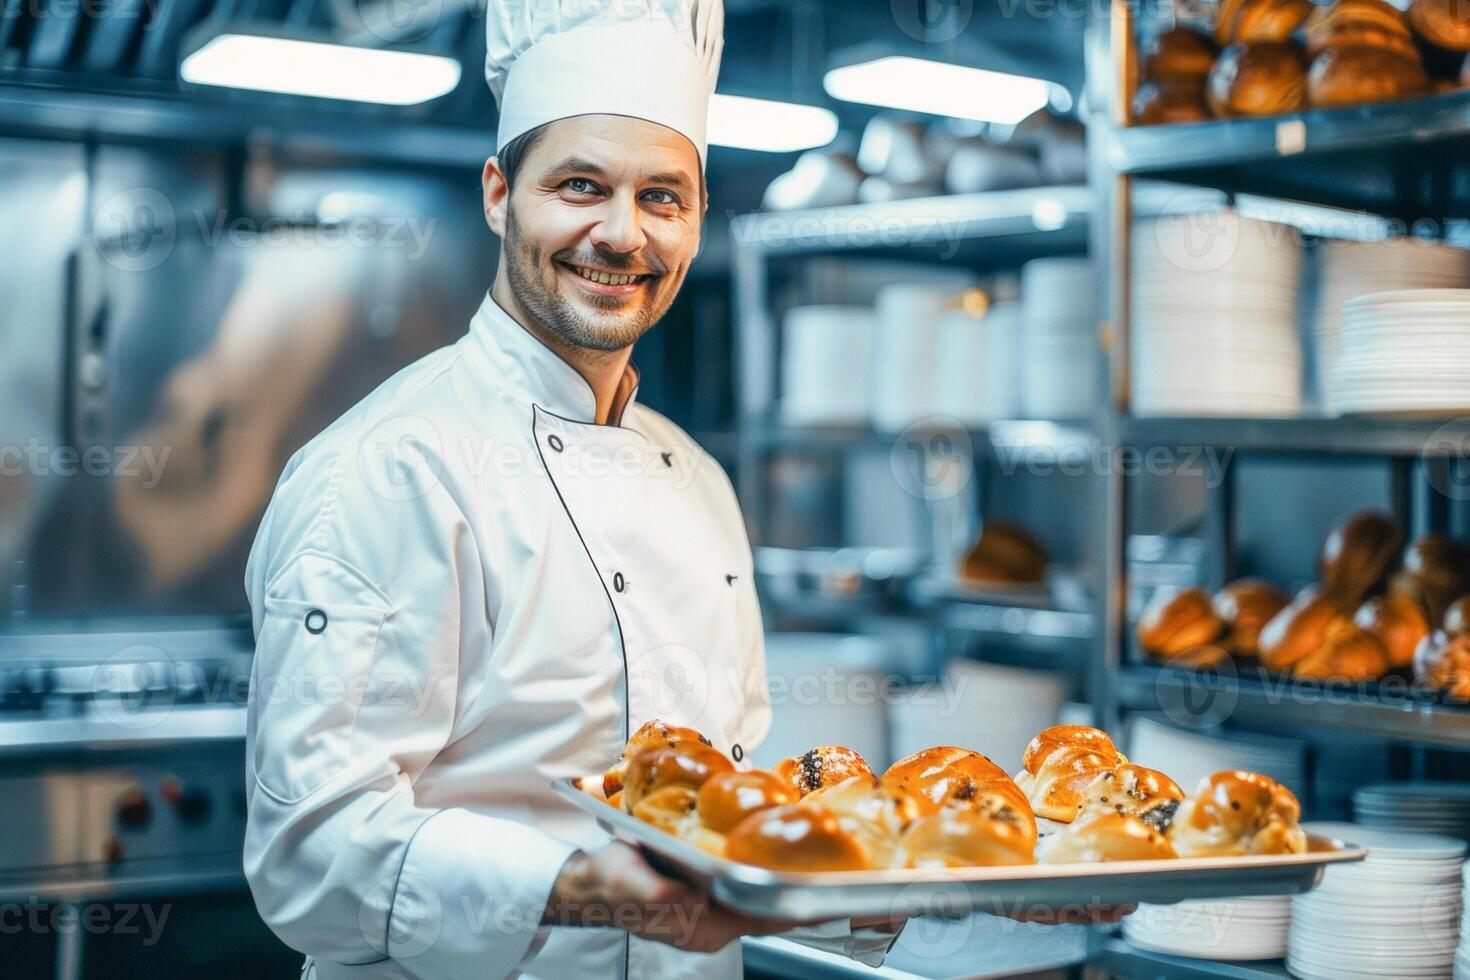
{"points": [[811, 897]]}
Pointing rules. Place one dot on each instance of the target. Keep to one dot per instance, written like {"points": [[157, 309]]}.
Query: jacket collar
{"points": [[526, 369]]}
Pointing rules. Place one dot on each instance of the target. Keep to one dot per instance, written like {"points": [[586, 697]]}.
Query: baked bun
{"points": [[1204, 658], [1171, 100], [796, 837], [946, 777], [1398, 623], [1443, 23], [825, 765], [1269, 21], [1358, 555], [1436, 572], [1004, 554], [1349, 654], [1134, 790], [684, 763], [1245, 606], [1172, 624], [963, 839], [1442, 663], [1457, 616], [727, 798], [648, 735], [1257, 80], [1059, 765], [1180, 53], [871, 811], [1105, 837], [1300, 629], [673, 809], [1235, 813], [1360, 74], [1349, 23]]}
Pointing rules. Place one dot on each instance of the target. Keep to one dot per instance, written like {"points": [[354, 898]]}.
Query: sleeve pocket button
{"points": [[316, 621]]}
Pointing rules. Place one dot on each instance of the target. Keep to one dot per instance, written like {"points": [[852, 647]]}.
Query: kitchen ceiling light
{"points": [[320, 70], [775, 127], [918, 85]]}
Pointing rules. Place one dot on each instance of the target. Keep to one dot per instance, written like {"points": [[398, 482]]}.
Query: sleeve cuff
{"points": [[869, 946], [472, 892]]}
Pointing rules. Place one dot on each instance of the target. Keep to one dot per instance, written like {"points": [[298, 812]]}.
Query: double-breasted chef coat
{"points": [[462, 590]]}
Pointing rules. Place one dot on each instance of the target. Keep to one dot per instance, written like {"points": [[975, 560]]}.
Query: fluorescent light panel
{"points": [[940, 89], [760, 124], [321, 70]]}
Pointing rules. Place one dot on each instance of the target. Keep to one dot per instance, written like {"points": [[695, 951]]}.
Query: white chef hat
{"points": [[650, 59]]}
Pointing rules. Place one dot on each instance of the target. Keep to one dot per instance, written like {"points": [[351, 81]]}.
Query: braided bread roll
{"points": [[1133, 791], [873, 812], [1234, 813], [687, 764], [1106, 837], [797, 837], [953, 838], [1060, 764], [948, 777], [727, 798], [825, 765], [649, 734]]}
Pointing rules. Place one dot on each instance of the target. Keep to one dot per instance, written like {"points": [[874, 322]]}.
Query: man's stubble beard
{"points": [[523, 263]]}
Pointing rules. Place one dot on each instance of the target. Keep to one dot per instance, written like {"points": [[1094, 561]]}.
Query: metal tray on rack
{"points": [[821, 896]]}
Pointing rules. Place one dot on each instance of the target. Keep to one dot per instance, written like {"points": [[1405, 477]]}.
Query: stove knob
{"points": [[133, 809]]}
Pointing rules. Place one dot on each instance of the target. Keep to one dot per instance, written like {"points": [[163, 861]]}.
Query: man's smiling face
{"points": [[601, 226]]}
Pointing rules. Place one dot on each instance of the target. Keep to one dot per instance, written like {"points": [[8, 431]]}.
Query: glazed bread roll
{"points": [[1179, 53], [1358, 555], [946, 777], [727, 798], [1443, 23], [1004, 554], [1356, 75], [1442, 663], [1135, 791], [685, 763], [796, 837], [1257, 80], [825, 765], [952, 838], [1105, 837], [1172, 100], [1398, 623], [1245, 607], [1269, 21], [1436, 572], [673, 809], [1348, 654], [1172, 624], [1300, 629], [1370, 23], [1235, 813], [1059, 765], [648, 735], [872, 812]]}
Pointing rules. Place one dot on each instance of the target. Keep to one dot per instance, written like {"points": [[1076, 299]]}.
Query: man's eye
{"points": [[661, 197], [580, 185]]}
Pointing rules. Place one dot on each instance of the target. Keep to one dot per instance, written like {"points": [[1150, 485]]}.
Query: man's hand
{"points": [[614, 886]]}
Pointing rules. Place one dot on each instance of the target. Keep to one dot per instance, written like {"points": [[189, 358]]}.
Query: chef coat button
{"points": [[554, 441], [316, 621], [736, 752], [668, 459], [619, 583]]}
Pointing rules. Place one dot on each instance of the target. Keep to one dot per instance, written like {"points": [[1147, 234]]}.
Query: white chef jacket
{"points": [[462, 590]]}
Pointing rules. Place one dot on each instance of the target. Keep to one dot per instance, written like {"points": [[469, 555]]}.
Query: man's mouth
{"points": [[603, 278]]}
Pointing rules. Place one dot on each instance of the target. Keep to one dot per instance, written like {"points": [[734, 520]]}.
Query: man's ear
{"points": [[497, 195]]}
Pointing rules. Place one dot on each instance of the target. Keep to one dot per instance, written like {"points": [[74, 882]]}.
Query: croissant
{"points": [[871, 811], [1133, 790], [1235, 813], [1106, 837], [1059, 765], [947, 777], [952, 838], [825, 765], [648, 735], [796, 837]]}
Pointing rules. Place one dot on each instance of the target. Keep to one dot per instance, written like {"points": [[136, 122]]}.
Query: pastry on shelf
{"points": [[952, 838], [1246, 606], [1300, 629], [1359, 23], [1349, 654], [729, 797], [947, 777], [1179, 53], [825, 765], [1436, 572], [1170, 100], [797, 837], [649, 734], [1442, 663], [1005, 554], [1207, 657], [1443, 23], [1359, 74], [1133, 790], [1358, 555], [1264, 79], [1398, 622], [1059, 765], [1106, 837], [1259, 21], [1172, 624], [1235, 813]]}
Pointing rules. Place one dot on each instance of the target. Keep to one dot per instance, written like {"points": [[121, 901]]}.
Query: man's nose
{"points": [[620, 226]]}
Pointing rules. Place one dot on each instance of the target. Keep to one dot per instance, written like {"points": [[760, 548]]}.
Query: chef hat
{"points": [[650, 59]]}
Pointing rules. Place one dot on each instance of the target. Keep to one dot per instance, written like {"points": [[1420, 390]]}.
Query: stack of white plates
{"points": [[1462, 956], [1190, 757], [1353, 269], [1059, 352], [1426, 807], [975, 365], [1229, 929], [903, 355], [1214, 328], [826, 359], [1396, 914], [1404, 353]]}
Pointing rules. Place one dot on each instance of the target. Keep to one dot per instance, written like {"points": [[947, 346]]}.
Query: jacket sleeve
{"points": [[357, 599]]}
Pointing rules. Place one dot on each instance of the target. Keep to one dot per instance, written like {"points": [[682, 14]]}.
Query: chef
{"points": [[493, 569]]}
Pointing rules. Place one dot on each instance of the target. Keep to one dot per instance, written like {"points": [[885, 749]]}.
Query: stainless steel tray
{"points": [[839, 894]]}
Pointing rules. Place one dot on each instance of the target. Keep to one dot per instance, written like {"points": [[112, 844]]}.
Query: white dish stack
{"points": [[903, 356], [1462, 955], [1425, 807], [1059, 351], [1190, 757], [1395, 914], [1404, 353], [826, 364], [1214, 326], [975, 365], [1228, 929], [1353, 269]]}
